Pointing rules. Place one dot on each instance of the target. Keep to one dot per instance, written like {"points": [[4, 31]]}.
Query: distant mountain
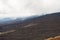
{"points": [[8, 20], [4, 21]]}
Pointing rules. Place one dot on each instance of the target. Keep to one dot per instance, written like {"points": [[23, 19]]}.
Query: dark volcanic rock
{"points": [[47, 26]]}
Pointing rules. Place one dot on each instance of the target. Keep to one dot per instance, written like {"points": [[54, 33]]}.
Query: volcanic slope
{"points": [[38, 28]]}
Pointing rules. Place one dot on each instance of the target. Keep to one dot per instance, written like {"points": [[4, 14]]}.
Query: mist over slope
{"points": [[12, 20]]}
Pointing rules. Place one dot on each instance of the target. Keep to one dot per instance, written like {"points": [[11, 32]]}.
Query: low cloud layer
{"points": [[25, 8]]}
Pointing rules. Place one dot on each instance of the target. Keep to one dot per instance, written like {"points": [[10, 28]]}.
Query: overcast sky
{"points": [[25, 8]]}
